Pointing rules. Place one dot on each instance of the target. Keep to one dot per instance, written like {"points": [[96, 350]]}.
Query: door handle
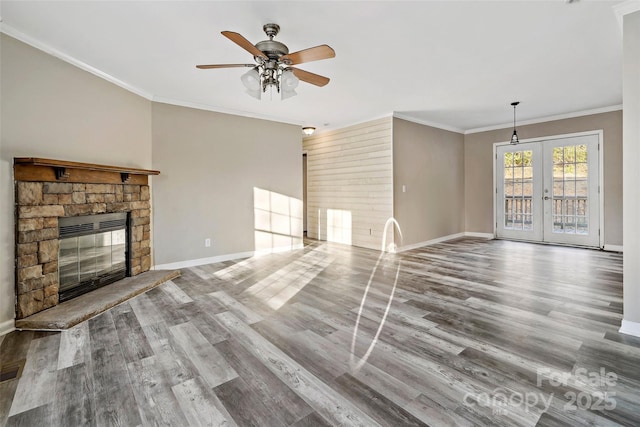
{"points": [[546, 198]]}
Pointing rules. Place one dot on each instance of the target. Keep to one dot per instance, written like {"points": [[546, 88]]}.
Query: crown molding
{"points": [[329, 129], [18, 35], [625, 8], [548, 119], [222, 110], [428, 123]]}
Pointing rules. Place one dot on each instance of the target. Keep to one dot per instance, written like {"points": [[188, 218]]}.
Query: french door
{"points": [[548, 191]]}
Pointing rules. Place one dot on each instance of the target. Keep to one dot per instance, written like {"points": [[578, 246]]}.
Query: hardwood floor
{"points": [[475, 333]]}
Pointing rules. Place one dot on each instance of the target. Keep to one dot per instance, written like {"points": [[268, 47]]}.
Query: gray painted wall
{"points": [[210, 163], [478, 156], [52, 109], [429, 162]]}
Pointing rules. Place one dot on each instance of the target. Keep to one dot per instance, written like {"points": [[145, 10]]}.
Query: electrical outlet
{"points": [[207, 243]]}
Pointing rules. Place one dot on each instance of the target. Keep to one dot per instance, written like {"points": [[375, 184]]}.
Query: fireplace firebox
{"points": [[92, 252]]}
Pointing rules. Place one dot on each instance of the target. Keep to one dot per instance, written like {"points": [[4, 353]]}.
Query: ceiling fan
{"points": [[273, 67]]}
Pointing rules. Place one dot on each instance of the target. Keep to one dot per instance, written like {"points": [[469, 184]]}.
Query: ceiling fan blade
{"points": [[314, 79], [308, 55], [206, 67], [244, 43]]}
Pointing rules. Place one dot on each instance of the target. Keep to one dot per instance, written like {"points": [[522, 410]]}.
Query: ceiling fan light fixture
{"points": [[251, 79], [288, 93], [308, 130], [255, 93], [289, 80], [288, 84]]}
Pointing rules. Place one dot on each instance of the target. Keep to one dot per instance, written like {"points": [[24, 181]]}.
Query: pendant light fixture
{"points": [[514, 137]]}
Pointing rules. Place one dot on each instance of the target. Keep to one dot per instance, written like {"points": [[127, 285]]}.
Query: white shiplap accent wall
{"points": [[351, 170]]}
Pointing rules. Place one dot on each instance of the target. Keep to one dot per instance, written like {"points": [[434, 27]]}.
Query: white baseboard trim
{"points": [[444, 239], [7, 326], [429, 242], [613, 248], [630, 328], [279, 250], [221, 258], [479, 235], [202, 261]]}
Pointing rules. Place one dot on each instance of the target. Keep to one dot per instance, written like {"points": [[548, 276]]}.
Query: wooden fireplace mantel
{"points": [[49, 170]]}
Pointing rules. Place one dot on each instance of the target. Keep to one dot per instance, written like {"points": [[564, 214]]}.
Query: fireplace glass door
{"points": [[91, 256]]}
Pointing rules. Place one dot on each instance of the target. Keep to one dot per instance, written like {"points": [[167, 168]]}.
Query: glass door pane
{"points": [[570, 189], [518, 190], [68, 262], [118, 255], [518, 205], [572, 204], [86, 257], [103, 253]]}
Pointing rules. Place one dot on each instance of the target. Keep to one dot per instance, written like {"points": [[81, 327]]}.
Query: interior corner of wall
{"points": [[6, 327]]}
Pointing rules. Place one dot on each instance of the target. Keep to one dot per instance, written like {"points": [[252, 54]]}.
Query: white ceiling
{"points": [[457, 64]]}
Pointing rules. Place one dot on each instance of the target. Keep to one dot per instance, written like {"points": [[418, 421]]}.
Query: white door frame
{"points": [[600, 134], [305, 190]]}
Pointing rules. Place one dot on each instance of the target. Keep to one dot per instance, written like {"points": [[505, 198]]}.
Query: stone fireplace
{"points": [[48, 190]]}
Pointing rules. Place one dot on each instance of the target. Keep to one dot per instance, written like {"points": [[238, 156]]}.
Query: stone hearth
{"points": [[39, 204], [70, 313]]}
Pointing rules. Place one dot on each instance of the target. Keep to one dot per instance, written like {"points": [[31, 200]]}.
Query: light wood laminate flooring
{"points": [[467, 332]]}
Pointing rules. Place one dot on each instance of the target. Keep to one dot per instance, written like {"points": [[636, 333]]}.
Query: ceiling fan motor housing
{"points": [[273, 49]]}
